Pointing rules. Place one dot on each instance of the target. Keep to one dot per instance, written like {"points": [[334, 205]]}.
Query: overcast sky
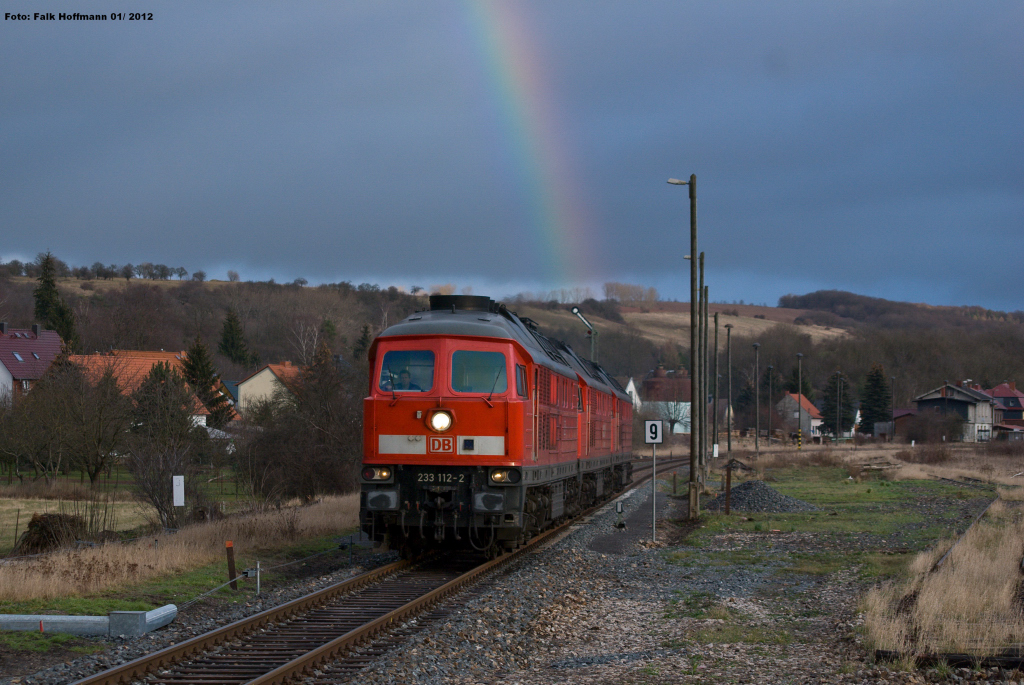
{"points": [[876, 147]]}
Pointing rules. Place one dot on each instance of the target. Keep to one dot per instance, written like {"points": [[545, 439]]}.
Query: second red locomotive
{"points": [[480, 432]]}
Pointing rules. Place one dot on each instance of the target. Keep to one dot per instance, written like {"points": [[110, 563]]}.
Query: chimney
{"points": [[1013, 386], [287, 363], [959, 384], [3, 328], [35, 329]]}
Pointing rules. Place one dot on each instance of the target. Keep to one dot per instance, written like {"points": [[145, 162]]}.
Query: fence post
{"points": [[230, 547], [17, 521]]}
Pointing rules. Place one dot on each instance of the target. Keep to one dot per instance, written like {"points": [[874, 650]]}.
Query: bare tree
{"points": [[164, 442], [95, 413], [674, 413], [33, 432], [304, 336]]}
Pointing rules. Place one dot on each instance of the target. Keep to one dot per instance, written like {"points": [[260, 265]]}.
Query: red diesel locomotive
{"points": [[479, 431]]}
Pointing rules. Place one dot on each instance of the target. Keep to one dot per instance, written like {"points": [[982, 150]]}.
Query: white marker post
{"points": [[178, 483], [653, 437]]}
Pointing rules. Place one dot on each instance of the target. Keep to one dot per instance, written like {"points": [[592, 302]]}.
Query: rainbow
{"points": [[533, 140]]}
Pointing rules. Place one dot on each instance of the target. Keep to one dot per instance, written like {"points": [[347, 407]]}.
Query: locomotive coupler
{"points": [[439, 525]]}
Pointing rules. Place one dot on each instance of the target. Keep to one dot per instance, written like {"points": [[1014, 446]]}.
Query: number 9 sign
{"points": [[653, 432]]}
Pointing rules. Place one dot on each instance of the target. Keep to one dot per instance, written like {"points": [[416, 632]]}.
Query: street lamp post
{"points": [[839, 405], [701, 400], [799, 400], [591, 333], [694, 509], [706, 384], [717, 376], [770, 369], [728, 363], [757, 399], [892, 406]]}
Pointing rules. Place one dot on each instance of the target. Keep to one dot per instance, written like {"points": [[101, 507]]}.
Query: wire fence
{"points": [[350, 546]]}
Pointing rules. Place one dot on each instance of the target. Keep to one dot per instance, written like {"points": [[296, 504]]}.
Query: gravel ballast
{"points": [[758, 496], [572, 613]]}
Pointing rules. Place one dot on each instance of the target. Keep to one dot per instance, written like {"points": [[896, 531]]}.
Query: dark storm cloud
{"points": [[874, 147]]}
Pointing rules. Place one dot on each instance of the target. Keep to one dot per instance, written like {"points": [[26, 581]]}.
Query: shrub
{"points": [[925, 454], [48, 532]]}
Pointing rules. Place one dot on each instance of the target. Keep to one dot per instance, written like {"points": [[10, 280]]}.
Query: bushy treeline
{"points": [[278, 322], [306, 441], [920, 359], [840, 308], [156, 272]]}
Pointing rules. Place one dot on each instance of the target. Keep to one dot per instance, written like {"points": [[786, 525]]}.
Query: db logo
{"points": [[439, 444]]}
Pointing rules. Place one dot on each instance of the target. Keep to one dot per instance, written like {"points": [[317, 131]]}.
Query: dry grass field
{"points": [[90, 570], [74, 285], [969, 605], [669, 322], [118, 515], [663, 326]]}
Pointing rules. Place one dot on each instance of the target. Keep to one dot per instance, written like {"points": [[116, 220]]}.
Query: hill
{"points": [[921, 345]]}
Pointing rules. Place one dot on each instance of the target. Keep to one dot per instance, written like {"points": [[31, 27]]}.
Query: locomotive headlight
{"points": [[440, 421], [376, 473], [505, 476]]}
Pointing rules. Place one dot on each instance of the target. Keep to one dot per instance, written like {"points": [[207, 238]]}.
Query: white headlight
{"points": [[440, 421]]}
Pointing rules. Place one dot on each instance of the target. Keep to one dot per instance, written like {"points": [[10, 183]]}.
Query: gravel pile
{"points": [[758, 496]]}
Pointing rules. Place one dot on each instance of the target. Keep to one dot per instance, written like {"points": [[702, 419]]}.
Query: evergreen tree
{"points": [[198, 370], [363, 344], [829, 401], [232, 341], [51, 310], [46, 295], [163, 441], [794, 380], [163, 406], [875, 405]]}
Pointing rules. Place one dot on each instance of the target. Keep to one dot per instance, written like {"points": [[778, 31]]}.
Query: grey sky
{"points": [[876, 147]]}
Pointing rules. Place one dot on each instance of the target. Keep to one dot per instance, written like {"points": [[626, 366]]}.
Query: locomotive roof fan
{"points": [[473, 303]]}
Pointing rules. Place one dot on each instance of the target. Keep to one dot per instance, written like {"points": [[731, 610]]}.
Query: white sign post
{"points": [[653, 436], [179, 490]]}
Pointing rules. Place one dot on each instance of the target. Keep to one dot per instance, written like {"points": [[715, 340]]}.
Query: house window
{"points": [[25, 387], [18, 357]]}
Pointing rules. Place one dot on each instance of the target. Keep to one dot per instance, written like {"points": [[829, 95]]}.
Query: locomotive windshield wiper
{"points": [[391, 381], [495, 383]]}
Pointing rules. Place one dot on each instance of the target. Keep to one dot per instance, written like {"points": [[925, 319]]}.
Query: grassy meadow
{"points": [[889, 526], [175, 567]]}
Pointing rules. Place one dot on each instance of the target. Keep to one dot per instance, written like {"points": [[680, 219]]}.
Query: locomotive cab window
{"points": [[407, 371], [474, 371], [521, 380]]}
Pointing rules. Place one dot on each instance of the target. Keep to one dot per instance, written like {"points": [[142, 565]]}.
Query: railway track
{"points": [[288, 641]]}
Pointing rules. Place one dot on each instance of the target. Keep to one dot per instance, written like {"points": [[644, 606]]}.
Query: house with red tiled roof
{"points": [[130, 368], [25, 356], [265, 383], [796, 408], [665, 394], [1011, 400]]}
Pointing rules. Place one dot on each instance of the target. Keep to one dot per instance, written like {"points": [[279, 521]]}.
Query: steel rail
{"points": [[336, 648], [194, 647], [138, 668]]}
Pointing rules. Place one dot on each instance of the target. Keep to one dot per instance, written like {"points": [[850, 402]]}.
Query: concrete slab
{"points": [[132, 623], [638, 526]]}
